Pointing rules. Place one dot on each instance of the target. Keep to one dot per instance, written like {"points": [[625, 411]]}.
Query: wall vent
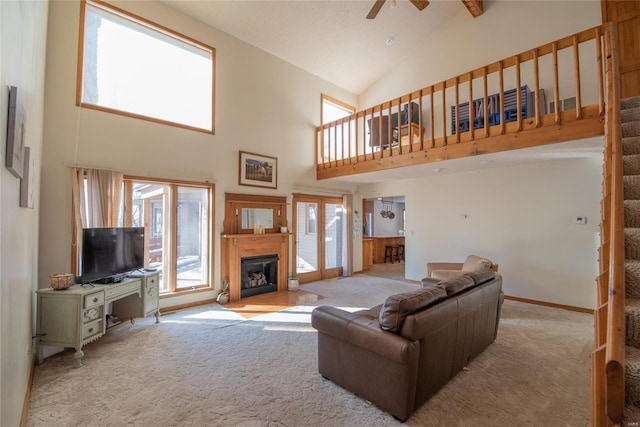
{"points": [[565, 104]]}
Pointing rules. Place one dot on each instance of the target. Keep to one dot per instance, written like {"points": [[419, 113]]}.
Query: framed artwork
{"points": [[27, 181], [257, 170], [14, 159]]}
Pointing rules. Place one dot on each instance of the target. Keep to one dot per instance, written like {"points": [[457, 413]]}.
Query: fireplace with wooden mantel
{"points": [[268, 252]]}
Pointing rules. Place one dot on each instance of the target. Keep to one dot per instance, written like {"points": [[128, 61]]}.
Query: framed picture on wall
{"points": [[27, 182], [257, 170], [14, 159]]}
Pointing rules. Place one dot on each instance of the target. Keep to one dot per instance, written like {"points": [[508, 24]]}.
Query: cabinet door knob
{"points": [[90, 330], [95, 299]]}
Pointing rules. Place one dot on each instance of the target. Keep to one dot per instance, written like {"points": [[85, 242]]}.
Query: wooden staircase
{"points": [[630, 126]]}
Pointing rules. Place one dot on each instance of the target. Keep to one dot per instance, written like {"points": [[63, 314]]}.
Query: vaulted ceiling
{"points": [[331, 39]]}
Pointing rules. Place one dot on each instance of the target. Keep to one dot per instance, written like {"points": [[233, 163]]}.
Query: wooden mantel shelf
{"points": [[246, 236]]}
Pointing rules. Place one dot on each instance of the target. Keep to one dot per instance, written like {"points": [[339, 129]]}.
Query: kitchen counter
{"points": [[379, 242]]}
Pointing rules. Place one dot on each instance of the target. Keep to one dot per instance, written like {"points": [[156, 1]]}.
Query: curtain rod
{"points": [[146, 174]]}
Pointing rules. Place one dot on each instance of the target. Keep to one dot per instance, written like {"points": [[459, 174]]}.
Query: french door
{"points": [[319, 226]]}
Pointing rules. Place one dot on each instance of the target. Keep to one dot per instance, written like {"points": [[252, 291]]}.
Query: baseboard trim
{"points": [[550, 304], [166, 310], [27, 395]]}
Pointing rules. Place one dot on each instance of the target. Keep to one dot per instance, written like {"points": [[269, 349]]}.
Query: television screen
{"points": [[109, 254]]}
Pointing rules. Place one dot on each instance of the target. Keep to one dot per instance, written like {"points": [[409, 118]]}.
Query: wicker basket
{"points": [[61, 281]]}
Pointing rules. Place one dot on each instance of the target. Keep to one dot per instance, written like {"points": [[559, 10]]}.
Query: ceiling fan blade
{"points": [[375, 9], [420, 4]]}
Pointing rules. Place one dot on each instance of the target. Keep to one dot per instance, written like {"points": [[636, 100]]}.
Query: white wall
{"points": [[263, 105], [23, 28], [521, 217]]}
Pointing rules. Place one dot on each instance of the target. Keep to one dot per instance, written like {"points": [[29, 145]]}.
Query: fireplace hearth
{"points": [[258, 274]]}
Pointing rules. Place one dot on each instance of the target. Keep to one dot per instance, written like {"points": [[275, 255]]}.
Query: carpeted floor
{"points": [[209, 366]]}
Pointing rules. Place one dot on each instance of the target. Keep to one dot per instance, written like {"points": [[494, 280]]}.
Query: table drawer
{"points": [[93, 300], [92, 329], [122, 290], [152, 281], [91, 314], [151, 299]]}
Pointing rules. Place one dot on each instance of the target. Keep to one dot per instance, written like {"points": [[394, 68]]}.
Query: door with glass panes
{"points": [[320, 233]]}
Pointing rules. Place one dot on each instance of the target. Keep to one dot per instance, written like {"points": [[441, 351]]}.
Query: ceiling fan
{"points": [[420, 4]]}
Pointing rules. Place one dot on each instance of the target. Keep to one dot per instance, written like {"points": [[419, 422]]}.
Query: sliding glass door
{"points": [[319, 227]]}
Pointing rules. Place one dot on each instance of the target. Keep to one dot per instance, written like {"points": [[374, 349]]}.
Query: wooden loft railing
{"points": [[572, 67], [608, 358]]}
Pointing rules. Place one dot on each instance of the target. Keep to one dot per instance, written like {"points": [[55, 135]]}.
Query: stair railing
{"points": [[608, 358]]}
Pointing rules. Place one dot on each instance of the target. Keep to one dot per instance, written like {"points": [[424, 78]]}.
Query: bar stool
{"points": [[391, 253], [400, 253]]}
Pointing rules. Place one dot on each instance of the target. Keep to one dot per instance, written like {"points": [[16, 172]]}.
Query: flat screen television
{"points": [[110, 254]]}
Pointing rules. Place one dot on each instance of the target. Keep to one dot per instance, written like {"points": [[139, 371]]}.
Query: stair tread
{"points": [[632, 303], [631, 188], [631, 415], [631, 102], [630, 114], [631, 129], [632, 355]]}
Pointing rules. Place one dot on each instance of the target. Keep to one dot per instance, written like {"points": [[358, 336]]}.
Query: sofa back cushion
{"points": [[397, 307], [481, 276], [457, 284]]}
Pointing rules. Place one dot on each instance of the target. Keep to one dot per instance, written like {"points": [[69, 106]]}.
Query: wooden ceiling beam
{"points": [[474, 7]]}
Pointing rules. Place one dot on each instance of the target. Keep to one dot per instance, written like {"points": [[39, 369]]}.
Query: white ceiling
{"points": [[331, 39]]}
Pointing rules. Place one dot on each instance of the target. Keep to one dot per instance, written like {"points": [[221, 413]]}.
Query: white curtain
{"points": [[96, 197]]}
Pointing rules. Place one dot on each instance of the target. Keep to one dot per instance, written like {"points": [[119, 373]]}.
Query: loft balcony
{"points": [[549, 94]]}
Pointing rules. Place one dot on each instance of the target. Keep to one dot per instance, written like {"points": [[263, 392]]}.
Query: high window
{"points": [[332, 109], [131, 66], [178, 217]]}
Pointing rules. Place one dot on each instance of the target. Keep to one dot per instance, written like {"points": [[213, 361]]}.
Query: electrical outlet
{"points": [[28, 350]]}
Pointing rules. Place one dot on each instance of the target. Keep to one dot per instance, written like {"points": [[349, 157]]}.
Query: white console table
{"points": [[76, 316]]}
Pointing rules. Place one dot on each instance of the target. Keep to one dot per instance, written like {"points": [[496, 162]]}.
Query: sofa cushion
{"points": [[397, 307], [447, 274], [429, 281], [481, 276], [474, 262], [457, 284]]}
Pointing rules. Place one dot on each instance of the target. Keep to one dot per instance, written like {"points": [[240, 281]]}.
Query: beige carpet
{"points": [[209, 366], [388, 270]]}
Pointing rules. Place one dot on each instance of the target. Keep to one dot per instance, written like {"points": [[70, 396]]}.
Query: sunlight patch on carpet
{"points": [[271, 302]]}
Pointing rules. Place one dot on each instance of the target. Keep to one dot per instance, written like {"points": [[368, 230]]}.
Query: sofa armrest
{"points": [[362, 330], [443, 266]]}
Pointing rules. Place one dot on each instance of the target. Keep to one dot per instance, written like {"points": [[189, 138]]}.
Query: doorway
{"points": [[319, 226], [384, 224]]}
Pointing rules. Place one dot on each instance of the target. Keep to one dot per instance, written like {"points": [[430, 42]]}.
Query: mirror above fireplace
{"points": [[257, 216], [243, 211]]}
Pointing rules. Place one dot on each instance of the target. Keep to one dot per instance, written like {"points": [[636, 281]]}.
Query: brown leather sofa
{"points": [[400, 353]]}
